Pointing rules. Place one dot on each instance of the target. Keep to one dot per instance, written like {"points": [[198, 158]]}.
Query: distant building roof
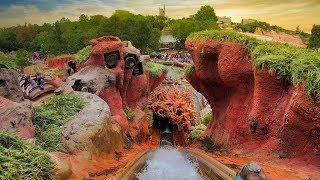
{"points": [[224, 19], [247, 21]]}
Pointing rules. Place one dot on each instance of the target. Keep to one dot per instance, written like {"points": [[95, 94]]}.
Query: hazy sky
{"points": [[287, 14]]}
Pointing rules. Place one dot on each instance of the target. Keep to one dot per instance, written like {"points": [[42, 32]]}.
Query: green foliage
{"points": [[140, 30], [190, 69], [292, 63], [21, 160], [155, 69], [206, 13], [251, 27], [197, 131], [314, 42], [150, 116], [15, 59], [205, 19], [83, 54], [129, 112], [207, 118], [50, 116], [66, 36]]}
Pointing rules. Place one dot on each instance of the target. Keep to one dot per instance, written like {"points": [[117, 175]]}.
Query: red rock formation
{"points": [[127, 90], [60, 61], [16, 118], [252, 106]]}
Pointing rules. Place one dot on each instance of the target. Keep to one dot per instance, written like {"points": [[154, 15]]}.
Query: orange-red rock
{"points": [[253, 108]]}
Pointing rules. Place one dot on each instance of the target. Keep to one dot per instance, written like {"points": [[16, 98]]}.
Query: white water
{"points": [[168, 163]]}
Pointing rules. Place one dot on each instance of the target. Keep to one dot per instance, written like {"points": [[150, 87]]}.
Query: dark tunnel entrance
{"points": [[166, 129]]}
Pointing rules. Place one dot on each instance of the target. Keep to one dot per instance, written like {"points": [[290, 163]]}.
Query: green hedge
{"points": [[155, 69], [20, 160], [295, 64], [50, 116]]}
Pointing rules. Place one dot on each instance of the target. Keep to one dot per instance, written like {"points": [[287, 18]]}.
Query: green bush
{"points": [[129, 112], [190, 69], [20, 160], [15, 59], [155, 69], [295, 64], [50, 116], [7, 63], [83, 54], [207, 118], [197, 131]]}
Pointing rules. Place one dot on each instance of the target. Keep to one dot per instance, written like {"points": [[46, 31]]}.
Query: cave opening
{"points": [[166, 129], [78, 85], [2, 83]]}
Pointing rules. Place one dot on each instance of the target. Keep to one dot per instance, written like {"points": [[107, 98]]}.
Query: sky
{"points": [[288, 14]]}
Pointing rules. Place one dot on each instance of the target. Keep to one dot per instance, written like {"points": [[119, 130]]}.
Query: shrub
{"points": [[83, 54], [190, 69], [129, 112], [7, 63], [20, 160], [292, 63], [197, 131], [206, 118], [15, 59], [150, 116], [50, 116], [155, 69]]}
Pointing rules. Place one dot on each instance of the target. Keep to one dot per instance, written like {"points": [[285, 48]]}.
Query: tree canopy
{"points": [[66, 36], [314, 42], [204, 19]]}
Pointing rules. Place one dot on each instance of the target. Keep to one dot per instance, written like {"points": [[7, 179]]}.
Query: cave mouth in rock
{"points": [[166, 128], [2, 83]]}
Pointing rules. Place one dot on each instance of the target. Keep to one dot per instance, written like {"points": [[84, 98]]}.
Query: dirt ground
{"points": [[274, 168]]}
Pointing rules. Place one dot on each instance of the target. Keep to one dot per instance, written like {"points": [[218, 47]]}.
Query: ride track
{"points": [[208, 167]]}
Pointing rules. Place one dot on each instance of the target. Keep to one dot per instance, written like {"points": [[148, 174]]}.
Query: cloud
{"points": [[20, 14], [287, 14]]}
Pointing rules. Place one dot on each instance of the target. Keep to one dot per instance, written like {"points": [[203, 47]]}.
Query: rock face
{"points": [[116, 84], [9, 85], [63, 165], [16, 118], [90, 79], [252, 105], [91, 129]]}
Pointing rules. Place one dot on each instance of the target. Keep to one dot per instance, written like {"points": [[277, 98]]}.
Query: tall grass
{"points": [[295, 64], [20, 160], [49, 117]]}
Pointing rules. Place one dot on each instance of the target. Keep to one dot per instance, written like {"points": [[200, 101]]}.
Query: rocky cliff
{"points": [[252, 106]]}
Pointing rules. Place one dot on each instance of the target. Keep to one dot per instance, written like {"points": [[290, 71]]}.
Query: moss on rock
{"points": [[50, 116], [295, 64]]}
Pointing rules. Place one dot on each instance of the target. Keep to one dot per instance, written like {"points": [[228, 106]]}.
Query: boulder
{"points": [[91, 129], [63, 165], [9, 85], [16, 118], [90, 79]]}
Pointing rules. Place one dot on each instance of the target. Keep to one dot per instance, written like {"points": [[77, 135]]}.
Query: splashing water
{"points": [[168, 163]]}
